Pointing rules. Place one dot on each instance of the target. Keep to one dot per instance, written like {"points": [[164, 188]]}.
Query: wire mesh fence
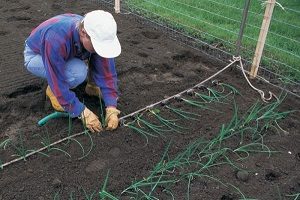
{"points": [[213, 27]]}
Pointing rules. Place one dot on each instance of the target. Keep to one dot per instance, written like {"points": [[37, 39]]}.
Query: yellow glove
{"points": [[91, 121], [92, 89], [111, 118], [53, 100]]}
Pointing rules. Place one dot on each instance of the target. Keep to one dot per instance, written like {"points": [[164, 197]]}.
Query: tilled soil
{"points": [[150, 68]]}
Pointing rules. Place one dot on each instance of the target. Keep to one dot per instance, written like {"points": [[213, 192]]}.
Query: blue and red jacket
{"points": [[57, 40]]}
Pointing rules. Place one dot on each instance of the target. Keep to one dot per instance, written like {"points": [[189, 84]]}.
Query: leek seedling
{"points": [[87, 196], [254, 147], [69, 128], [295, 196], [168, 123], [91, 146], [71, 195], [155, 128], [139, 130], [216, 180], [184, 114], [86, 132], [56, 196], [198, 104], [101, 113], [20, 148], [5, 143], [103, 194], [216, 96], [230, 87], [46, 141]]}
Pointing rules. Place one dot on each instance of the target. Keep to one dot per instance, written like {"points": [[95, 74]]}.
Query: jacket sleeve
{"points": [[55, 51], [103, 73]]}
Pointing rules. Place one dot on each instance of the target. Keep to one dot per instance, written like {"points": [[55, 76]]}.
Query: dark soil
{"points": [[150, 68]]}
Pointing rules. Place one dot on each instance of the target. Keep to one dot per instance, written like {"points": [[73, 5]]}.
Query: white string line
{"points": [[268, 82], [278, 76], [121, 119], [234, 20], [235, 59], [262, 94], [271, 46], [78, 134], [281, 88], [40, 150]]}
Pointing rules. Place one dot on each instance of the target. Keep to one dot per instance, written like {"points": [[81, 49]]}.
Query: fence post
{"points": [[117, 6], [242, 27], [270, 4]]}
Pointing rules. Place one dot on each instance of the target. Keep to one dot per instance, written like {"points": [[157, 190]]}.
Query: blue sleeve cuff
{"points": [[77, 109], [110, 101]]}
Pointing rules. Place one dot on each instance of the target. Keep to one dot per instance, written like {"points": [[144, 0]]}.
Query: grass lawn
{"points": [[218, 22]]}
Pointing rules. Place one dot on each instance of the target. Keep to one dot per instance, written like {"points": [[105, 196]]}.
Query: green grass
{"points": [[217, 22]]}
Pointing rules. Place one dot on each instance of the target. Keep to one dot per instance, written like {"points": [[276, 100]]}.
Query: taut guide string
{"points": [[122, 119]]}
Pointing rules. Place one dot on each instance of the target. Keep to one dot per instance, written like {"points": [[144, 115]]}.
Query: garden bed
{"points": [[150, 68]]}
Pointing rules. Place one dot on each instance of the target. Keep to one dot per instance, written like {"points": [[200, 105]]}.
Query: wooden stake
{"points": [[117, 6], [262, 37]]}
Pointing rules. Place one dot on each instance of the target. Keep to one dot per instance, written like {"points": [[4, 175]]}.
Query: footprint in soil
{"points": [[134, 42], [297, 156], [227, 197], [18, 18], [25, 90], [151, 34], [96, 165], [143, 55], [272, 175], [114, 152], [22, 8], [22, 26], [56, 7], [2, 33], [186, 56]]}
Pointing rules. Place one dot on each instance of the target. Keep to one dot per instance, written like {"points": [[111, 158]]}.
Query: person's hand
{"points": [[111, 118], [90, 120]]}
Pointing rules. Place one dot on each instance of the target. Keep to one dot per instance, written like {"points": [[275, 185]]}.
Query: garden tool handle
{"points": [[54, 115]]}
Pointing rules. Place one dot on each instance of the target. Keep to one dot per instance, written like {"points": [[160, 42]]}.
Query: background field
{"points": [[217, 22]]}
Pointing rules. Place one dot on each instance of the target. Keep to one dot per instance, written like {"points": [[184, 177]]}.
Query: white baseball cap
{"points": [[102, 29]]}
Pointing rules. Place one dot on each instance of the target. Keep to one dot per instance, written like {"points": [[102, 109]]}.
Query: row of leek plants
{"points": [[200, 157], [199, 100], [22, 152]]}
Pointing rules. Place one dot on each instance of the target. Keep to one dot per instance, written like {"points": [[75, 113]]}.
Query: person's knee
{"points": [[34, 63], [76, 72]]}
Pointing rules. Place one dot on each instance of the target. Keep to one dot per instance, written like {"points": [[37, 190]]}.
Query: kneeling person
{"points": [[56, 50]]}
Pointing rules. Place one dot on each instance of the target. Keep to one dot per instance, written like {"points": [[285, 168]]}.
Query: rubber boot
{"points": [[53, 100]]}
